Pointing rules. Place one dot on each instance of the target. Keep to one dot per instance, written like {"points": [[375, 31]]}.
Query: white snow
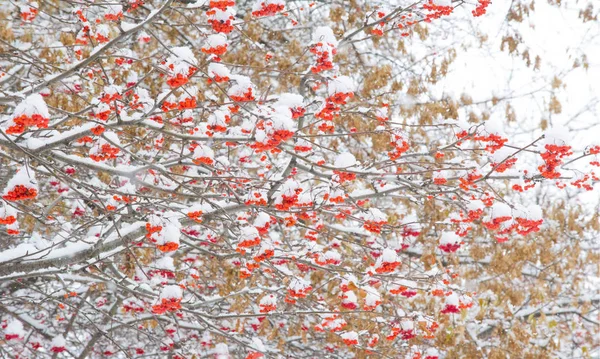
{"points": [[372, 299], [221, 15], [500, 209], [126, 26], [268, 300], [341, 84], [324, 34], [113, 9], [333, 255], [171, 292], [112, 137], [169, 234], [431, 352], [215, 40], [443, 2], [103, 30], [184, 53], [258, 344], [217, 69], [15, 327], [288, 188], [534, 212], [298, 284], [58, 342], [165, 263], [389, 256], [241, 86], [70, 249], [350, 336], [558, 135], [221, 351], [25, 177], [452, 299], [407, 325], [180, 60], [502, 154], [289, 100], [7, 211], [376, 215], [449, 238], [350, 297], [249, 233], [262, 219], [203, 150], [475, 205], [345, 160], [495, 125], [113, 89], [32, 105]]}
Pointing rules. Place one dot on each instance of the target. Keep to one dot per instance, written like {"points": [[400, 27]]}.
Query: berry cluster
{"points": [[481, 7], [221, 4], [553, 158], [23, 121], [167, 305], [324, 53], [436, 11], [269, 8], [20, 193], [104, 152]]}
